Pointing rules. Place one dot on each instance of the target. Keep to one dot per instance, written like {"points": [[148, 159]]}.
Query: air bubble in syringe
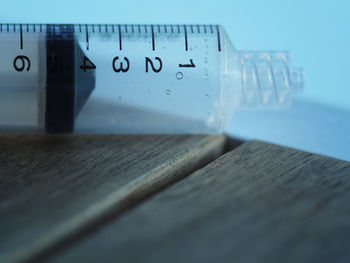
{"points": [[179, 75], [167, 92]]}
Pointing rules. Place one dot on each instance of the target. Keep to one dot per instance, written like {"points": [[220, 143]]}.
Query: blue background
{"points": [[316, 32]]}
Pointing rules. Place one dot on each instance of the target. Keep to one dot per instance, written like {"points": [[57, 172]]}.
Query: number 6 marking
{"points": [[24, 60]]}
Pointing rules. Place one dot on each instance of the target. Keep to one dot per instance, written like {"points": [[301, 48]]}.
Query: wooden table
{"points": [[124, 198]]}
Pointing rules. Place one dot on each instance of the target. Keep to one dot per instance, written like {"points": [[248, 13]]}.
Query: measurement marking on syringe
{"points": [[21, 36], [87, 37], [218, 36], [54, 36], [154, 31], [120, 38], [186, 42], [153, 44]]}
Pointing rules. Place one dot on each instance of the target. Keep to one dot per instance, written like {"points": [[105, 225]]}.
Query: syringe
{"points": [[133, 78]]}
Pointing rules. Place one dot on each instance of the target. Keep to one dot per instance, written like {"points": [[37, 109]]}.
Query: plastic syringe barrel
{"points": [[134, 78]]}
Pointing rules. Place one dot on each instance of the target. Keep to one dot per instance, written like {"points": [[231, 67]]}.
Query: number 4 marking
{"points": [[87, 64]]}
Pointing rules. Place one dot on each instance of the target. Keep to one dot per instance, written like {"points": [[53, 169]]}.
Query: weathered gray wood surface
{"points": [[52, 187], [257, 203]]}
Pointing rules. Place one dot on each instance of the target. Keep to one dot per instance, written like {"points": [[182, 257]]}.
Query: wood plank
{"points": [[257, 203], [53, 186]]}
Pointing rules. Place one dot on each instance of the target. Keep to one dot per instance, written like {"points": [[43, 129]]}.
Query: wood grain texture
{"points": [[54, 186], [257, 203]]}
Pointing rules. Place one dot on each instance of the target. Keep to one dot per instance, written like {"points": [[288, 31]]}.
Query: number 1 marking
{"points": [[190, 65]]}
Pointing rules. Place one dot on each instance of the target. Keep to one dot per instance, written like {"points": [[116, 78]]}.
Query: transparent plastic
{"points": [[147, 79]]}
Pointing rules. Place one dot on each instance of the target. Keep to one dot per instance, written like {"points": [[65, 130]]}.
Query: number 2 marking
{"points": [[149, 61]]}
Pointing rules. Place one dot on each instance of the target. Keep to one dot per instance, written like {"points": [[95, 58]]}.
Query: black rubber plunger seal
{"points": [[66, 88]]}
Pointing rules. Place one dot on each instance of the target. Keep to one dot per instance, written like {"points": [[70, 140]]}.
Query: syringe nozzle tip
{"points": [[297, 78], [268, 80]]}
